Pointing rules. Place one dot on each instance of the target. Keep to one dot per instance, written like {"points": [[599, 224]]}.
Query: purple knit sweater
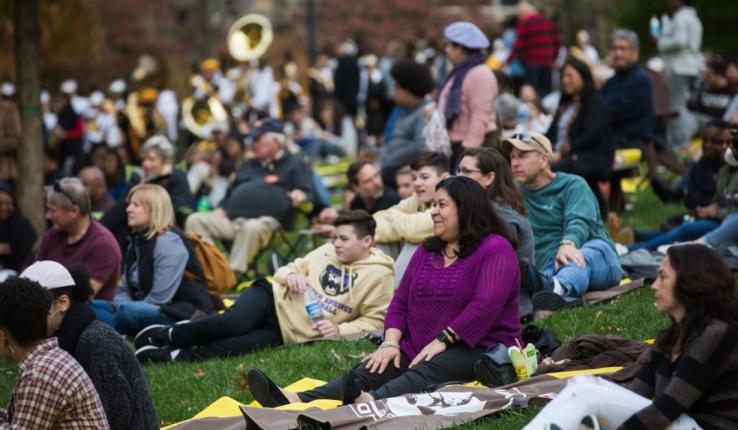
{"points": [[476, 296]]}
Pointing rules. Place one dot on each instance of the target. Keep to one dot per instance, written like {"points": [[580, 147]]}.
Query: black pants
{"points": [[540, 78], [454, 364], [250, 324]]}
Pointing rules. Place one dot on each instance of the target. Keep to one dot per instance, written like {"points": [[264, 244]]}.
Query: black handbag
{"points": [[494, 368]]}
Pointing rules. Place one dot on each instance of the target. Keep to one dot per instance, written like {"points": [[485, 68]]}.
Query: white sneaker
{"points": [[664, 248]]}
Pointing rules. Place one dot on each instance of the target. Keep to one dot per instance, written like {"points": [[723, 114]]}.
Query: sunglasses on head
{"points": [[58, 188], [527, 138]]}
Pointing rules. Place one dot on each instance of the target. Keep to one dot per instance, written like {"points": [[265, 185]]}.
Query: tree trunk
{"points": [[30, 180]]}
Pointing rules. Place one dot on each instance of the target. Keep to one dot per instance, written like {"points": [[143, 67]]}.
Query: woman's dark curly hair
{"points": [[24, 309], [477, 219], [705, 287]]}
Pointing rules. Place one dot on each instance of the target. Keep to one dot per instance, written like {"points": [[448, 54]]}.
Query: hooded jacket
{"points": [[410, 220], [354, 296]]}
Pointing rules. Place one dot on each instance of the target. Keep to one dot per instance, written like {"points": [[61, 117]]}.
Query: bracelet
{"points": [[567, 242], [389, 344]]}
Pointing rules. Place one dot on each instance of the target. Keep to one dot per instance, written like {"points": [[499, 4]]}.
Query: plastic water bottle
{"points": [[312, 306], [655, 27]]}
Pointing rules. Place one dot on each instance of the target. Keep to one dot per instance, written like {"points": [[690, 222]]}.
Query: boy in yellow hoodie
{"points": [[353, 282], [410, 219]]}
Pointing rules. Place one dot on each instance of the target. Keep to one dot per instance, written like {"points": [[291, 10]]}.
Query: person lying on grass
{"points": [[457, 298], [690, 377], [352, 279]]}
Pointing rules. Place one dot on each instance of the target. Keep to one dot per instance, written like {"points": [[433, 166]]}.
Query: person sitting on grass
{"points": [[458, 297], [155, 288], [105, 356], [77, 238], [707, 216], [52, 390], [689, 379], [573, 251], [490, 168], [352, 280]]}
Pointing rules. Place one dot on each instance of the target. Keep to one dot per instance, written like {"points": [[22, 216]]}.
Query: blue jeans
{"points": [[687, 231], [601, 271], [726, 232], [129, 318]]}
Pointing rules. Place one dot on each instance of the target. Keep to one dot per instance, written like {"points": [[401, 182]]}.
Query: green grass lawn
{"points": [[180, 390]]}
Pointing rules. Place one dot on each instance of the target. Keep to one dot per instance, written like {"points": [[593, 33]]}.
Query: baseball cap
{"points": [[267, 125], [49, 274], [528, 141]]}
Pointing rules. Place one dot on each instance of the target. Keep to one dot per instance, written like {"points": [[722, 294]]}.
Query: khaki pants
{"points": [[249, 236]]}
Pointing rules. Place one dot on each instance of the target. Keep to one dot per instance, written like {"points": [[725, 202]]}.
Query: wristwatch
{"points": [[445, 337]]}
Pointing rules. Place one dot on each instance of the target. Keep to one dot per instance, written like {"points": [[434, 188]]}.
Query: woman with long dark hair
{"points": [[690, 378], [457, 298], [492, 171], [579, 132]]}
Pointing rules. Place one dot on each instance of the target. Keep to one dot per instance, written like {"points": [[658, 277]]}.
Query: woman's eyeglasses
{"points": [[463, 171]]}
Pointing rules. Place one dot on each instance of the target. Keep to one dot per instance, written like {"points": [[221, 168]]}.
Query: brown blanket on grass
{"points": [[446, 407]]}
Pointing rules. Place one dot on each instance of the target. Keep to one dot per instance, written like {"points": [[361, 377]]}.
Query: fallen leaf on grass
{"points": [[198, 373], [335, 355], [242, 379], [600, 314]]}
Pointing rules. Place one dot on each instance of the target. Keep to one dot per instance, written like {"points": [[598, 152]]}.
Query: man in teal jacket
{"points": [[573, 251]]}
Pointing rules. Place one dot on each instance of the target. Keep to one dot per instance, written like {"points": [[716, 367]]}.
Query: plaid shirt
{"points": [[52, 391]]}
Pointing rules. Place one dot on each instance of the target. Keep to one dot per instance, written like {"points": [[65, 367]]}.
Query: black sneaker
{"points": [[550, 301], [153, 354], [153, 335]]}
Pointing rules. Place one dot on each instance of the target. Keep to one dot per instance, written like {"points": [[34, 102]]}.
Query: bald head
{"points": [[93, 179]]}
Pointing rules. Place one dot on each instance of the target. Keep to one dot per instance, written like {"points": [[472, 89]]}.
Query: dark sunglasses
{"points": [[527, 138], [58, 188]]}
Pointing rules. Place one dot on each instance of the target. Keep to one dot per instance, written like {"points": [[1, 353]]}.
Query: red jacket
{"points": [[537, 41]]}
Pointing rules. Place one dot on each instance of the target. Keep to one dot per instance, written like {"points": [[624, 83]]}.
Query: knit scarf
{"points": [[453, 98], [78, 317]]}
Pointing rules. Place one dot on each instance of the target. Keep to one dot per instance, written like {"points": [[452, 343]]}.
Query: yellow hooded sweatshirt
{"points": [[355, 297], [409, 220]]}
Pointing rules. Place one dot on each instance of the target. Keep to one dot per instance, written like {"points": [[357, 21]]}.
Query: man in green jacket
{"points": [[573, 251]]}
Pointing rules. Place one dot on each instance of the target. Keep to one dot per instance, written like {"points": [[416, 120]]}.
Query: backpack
{"points": [[217, 274]]}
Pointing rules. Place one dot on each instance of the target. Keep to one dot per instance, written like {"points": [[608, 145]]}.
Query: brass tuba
{"points": [[249, 37], [200, 115]]}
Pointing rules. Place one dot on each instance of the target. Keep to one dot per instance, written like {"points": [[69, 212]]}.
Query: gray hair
{"points": [[161, 145], [508, 107], [71, 192], [627, 34]]}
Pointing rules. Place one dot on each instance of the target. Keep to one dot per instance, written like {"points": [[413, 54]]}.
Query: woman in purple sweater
{"points": [[458, 297]]}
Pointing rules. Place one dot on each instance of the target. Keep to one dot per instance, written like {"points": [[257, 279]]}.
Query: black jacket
{"points": [[116, 219], [191, 295], [592, 150]]}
